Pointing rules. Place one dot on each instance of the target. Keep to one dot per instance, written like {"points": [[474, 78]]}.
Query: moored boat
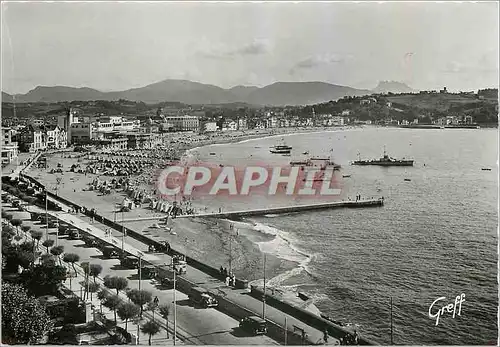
{"points": [[281, 148], [384, 161]]}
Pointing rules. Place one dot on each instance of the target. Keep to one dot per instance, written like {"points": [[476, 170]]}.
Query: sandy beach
{"points": [[210, 241]]}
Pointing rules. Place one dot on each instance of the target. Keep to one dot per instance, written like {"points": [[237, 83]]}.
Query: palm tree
{"points": [[48, 243], [165, 312], [128, 311], [151, 328], [57, 251]]}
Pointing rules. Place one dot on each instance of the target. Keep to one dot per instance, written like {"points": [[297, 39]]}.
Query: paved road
{"points": [[207, 326]]}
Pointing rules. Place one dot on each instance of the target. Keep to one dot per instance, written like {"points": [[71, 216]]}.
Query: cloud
{"points": [[223, 52], [319, 60]]}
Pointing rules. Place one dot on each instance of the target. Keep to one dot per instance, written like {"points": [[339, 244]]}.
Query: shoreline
{"points": [[205, 240]]}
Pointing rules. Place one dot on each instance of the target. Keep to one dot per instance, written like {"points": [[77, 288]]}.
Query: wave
{"points": [[282, 246]]}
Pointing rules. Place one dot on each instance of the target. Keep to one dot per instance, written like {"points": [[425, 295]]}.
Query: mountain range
{"points": [[276, 94]]}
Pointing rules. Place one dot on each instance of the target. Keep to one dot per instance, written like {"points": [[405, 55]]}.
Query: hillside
{"points": [[392, 87], [277, 94], [430, 101], [59, 93], [301, 93]]}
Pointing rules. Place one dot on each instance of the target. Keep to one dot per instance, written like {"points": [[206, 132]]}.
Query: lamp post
{"points": [[140, 268], [46, 215], [175, 301], [264, 295]]}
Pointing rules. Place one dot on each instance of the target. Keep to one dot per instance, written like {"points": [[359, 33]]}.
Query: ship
{"points": [[281, 148], [313, 162], [384, 161]]}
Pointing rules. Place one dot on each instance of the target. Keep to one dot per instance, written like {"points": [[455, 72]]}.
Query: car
{"points": [[74, 234], [110, 252], [255, 325], [16, 203], [53, 223], [201, 297], [147, 271], [63, 228], [90, 241], [130, 262]]}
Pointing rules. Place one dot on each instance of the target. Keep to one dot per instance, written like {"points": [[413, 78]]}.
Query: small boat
{"points": [[212, 153], [486, 169], [407, 179], [346, 176], [305, 153], [282, 148]]}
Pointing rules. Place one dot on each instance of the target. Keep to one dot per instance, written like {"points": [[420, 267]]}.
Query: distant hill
{"points": [[277, 94], [7, 97], [59, 93], [301, 93], [242, 92], [392, 87]]}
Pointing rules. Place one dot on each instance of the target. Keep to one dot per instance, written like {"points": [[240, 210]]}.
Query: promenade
{"points": [[239, 297]]}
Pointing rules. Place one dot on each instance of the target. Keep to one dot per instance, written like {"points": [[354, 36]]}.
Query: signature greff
{"points": [[450, 308]]}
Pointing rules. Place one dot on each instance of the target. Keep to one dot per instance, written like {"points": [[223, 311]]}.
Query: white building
{"points": [[210, 127], [10, 149], [182, 123]]}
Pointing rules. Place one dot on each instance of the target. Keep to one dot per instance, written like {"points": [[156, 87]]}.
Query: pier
{"points": [[276, 210]]}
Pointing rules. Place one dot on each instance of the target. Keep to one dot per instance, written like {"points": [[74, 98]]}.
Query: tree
{"points": [[115, 282], [128, 311], [165, 312], [48, 259], [93, 287], [25, 228], [57, 251], [37, 236], [95, 270], [71, 258], [24, 319], [151, 328], [44, 279], [17, 223], [140, 297], [112, 302], [48, 243]]}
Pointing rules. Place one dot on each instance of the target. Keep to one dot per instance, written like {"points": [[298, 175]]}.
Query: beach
{"points": [[207, 240]]}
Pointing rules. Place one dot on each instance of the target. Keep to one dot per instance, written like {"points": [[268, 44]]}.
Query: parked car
{"points": [[255, 325], [90, 241], [74, 234], [201, 297], [179, 264], [53, 223], [63, 229], [110, 252], [148, 272], [16, 203], [129, 262]]}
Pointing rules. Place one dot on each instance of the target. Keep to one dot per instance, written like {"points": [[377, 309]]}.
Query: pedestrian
{"points": [[325, 335], [225, 271], [221, 270], [227, 281], [356, 337], [233, 280]]}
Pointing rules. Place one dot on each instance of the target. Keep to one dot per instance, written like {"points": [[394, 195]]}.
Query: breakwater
{"points": [[277, 210], [226, 305]]}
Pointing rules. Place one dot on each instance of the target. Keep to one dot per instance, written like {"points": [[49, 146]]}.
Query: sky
{"points": [[117, 46]]}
